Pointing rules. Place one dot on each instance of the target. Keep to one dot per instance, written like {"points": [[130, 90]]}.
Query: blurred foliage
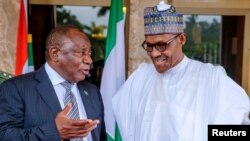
{"points": [[4, 76], [103, 11], [203, 39], [64, 17]]}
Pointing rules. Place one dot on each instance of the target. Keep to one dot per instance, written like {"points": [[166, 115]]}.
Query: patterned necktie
{"points": [[69, 97]]}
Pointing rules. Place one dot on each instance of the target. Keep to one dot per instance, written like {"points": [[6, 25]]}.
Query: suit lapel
{"points": [[87, 101], [88, 105], [47, 92]]}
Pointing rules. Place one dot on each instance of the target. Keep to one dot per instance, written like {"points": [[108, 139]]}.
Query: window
{"points": [[203, 38]]}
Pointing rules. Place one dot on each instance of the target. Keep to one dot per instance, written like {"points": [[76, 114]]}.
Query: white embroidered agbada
{"points": [[179, 104]]}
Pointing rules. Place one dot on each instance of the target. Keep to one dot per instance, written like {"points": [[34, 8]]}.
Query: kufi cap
{"points": [[162, 19]]}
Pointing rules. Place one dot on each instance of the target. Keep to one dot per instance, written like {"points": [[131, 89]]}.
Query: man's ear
{"points": [[183, 39], [53, 53]]}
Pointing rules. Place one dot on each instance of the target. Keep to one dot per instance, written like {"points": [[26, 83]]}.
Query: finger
{"points": [[89, 129], [93, 123], [83, 131], [67, 108], [77, 135], [79, 131], [97, 121], [77, 122], [82, 126]]}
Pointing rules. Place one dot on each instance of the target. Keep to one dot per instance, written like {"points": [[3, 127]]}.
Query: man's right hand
{"points": [[73, 128]]}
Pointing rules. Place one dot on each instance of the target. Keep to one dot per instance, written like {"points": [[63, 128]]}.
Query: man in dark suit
{"points": [[34, 107]]}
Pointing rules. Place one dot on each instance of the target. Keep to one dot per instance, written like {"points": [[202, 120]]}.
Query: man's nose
{"points": [[154, 52]]}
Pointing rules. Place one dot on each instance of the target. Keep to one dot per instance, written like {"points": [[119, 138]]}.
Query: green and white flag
{"points": [[113, 75]]}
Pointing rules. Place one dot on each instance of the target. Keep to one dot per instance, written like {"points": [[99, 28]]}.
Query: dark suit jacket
{"points": [[29, 105]]}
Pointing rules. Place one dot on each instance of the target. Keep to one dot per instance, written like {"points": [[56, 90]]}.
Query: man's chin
{"points": [[83, 77], [80, 78], [161, 70]]}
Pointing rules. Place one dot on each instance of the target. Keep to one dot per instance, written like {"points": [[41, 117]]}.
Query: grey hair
{"points": [[55, 36]]}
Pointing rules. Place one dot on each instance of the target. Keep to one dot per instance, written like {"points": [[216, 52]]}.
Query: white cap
{"points": [[163, 6]]}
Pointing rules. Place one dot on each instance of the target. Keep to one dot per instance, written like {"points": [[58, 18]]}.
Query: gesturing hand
{"points": [[73, 128]]}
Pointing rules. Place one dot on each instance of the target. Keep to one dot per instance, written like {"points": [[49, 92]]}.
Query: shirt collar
{"points": [[179, 66], [54, 77]]}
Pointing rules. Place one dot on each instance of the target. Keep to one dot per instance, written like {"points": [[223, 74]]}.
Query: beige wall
{"points": [[8, 30]]}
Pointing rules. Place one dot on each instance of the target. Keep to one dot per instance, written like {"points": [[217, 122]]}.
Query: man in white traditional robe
{"points": [[175, 98]]}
